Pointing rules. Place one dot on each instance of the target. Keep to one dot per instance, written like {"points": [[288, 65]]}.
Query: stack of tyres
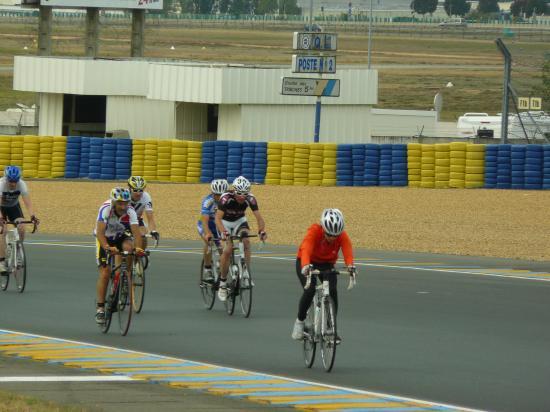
{"points": [[207, 165], [108, 159], [301, 164], [178, 171], [72, 157], [164, 160], [546, 167], [150, 160], [518, 166], [372, 164], [329, 164], [194, 156], [533, 167], [358, 164], [123, 168], [96, 153], [414, 164], [31, 149], [5, 152], [287, 164], [221, 153], [247, 160], [457, 175], [59, 151], [399, 165], [260, 162], [442, 165], [16, 155], [504, 166], [427, 167], [274, 156], [138, 157], [45, 157], [475, 166], [315, 166], [385, 171], [234, 160], [344, 165], [84, 168], [491, 166]]}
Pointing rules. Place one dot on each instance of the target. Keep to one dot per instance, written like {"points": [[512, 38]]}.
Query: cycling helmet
{"points": [[12, 173], [241, 185], [120, 194], [137, 183], [332, 221], [219, 186]]}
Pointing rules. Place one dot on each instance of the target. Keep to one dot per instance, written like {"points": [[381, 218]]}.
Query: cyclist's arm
{"points": [[307, 246], [138, 241], [205, 221], [100, 234], [28, 204], [219, 224], [260, 220], [347, 249], [151, 220]]}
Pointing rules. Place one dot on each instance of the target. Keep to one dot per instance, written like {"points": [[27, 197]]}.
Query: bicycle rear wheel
{"points": [[328, 334], [245, 291], [20, 267], [138, 284], [124, 302], [110, 304], [232, 287], [207, 287], [309, 344]]}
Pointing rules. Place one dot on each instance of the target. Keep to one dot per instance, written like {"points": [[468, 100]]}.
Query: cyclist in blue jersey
{"points": [[206, 226]]}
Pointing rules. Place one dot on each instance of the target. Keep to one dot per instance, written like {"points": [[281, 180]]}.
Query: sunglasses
{"points": [[137, 190], [241, 193], [13, 181]]}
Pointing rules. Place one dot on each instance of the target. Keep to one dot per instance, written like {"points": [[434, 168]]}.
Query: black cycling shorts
{"points": [[101, 254], [11, 213]]}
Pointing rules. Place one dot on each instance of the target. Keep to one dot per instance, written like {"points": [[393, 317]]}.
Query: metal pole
{"points": [[317, 120], [370, 35], [310, 25], [506, 93]]}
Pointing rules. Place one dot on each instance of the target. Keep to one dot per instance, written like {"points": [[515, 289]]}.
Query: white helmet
{"points": [[241, 185], [219, 186], [332, 221]]}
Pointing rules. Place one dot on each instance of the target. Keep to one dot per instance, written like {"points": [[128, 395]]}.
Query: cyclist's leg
{"points": [[333, 283], [4, 229], [103, 279], [224, 258], [307, 294], [244, 228], [143, 231], [126, 245]]}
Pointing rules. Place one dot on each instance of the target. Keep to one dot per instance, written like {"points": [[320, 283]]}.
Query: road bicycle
{"points": [[138, 278], [119, 293], [320, 323], [209, 284], [16, 261]]}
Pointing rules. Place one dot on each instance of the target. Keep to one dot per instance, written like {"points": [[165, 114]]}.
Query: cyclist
{"points": [[231, 220], [206, 226], [142, 203], [11, 187], [319, 250], [117, 228]]}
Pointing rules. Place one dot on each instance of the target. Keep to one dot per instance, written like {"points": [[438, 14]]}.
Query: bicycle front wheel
{"points": [[20, 267], [328, 334], [124, 302], [207, 287], [309, 344], [232, 287], [245, 291], [110, 305], [138, 284]]}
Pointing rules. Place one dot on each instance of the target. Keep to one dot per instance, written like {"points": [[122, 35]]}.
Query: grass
{"points": [[414, 68], [11, 402]]}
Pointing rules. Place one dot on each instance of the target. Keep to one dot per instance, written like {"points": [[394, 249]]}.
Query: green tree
{"points": [[289, 7], [456, 7], [224, 6], [204, 6], [543, 90], [529, 7], [488, 6], [424, 6], [267, 7]]}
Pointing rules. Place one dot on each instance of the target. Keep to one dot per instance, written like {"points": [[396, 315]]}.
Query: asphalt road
{"points": [[465, 339]]}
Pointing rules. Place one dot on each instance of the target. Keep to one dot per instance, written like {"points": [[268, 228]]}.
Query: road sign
{"points": [[536, 103], [314, 41], [523, 103], [301, 86], [313, 64], [530, 103]]}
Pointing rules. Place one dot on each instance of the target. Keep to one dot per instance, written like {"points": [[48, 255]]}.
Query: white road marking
{"points": [[93, 378]]}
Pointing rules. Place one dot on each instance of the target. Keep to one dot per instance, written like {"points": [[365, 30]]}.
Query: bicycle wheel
{"points": [[328, 334], [138, 284], [124, 302], [20, 267], [110, 304], [310, 345], [232, 288], [5, 277], [207, 287], [245, 291]]}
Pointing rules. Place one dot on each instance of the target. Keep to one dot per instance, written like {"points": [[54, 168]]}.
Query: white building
{"points": [[203, 101]]}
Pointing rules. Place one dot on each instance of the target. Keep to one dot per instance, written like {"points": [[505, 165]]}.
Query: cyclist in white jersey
{"points": [[143, 204], [117, 228], [11, 187]]}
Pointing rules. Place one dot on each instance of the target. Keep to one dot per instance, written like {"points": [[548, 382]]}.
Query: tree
{"points": [[267, 7], [456, 7], [529, 7], [289, 7], [424, 6], [488, 6], [543, 89]]}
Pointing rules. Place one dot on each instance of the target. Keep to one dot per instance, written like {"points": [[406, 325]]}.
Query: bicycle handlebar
{"points": [[126, 253], [23, 222], [352, 280], [152, 237]]}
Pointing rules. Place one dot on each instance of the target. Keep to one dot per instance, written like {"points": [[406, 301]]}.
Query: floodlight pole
{"points": [[370, 36], [506, 93]]}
